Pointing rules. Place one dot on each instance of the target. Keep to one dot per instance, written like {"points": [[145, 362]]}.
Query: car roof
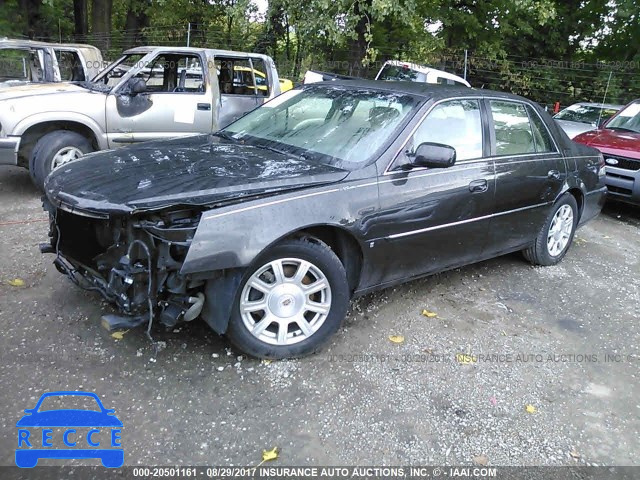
{"points": [[19, 43], [426, 90], [214, 51]]}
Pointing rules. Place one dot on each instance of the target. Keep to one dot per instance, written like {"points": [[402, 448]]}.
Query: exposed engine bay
{"points": [[132, 262]]}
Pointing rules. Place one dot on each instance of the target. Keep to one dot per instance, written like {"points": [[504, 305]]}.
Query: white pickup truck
{"points": [[29, 61], [149, 93]]}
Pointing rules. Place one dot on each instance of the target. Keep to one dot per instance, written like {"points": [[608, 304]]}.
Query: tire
{"points": [[282, 274], [49, 146], [547, 251]]}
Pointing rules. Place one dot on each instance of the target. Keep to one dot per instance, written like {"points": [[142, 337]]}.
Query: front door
{"points": [[432, 219], [177, 101], [530, 172]]}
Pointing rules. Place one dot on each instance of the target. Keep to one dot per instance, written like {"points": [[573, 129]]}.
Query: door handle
{"points": [[555, 174], [478, 186], [204, 106]]}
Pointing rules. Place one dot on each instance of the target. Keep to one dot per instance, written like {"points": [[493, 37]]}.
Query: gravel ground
{"points": [[505, 336]]}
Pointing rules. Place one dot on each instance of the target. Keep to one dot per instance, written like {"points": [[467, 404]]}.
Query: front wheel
{"points": [[555, 236], [54, 150], [290, 301]]}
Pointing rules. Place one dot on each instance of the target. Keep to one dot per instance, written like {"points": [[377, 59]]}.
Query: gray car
{"points": [[582, 117]]}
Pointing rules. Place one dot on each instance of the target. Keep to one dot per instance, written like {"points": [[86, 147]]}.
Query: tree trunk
{"points": [[32, 10], [101, 23], [358, 46], [137, 19], [80, 17]]}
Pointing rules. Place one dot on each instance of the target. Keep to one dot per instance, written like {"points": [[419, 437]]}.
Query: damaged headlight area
{"points": [[134, 262]]}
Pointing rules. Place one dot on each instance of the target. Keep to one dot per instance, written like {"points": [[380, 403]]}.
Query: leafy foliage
{"points": [[550, 50]]}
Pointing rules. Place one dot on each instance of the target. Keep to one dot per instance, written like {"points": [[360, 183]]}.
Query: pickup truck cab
{"points": [[29, 61], [150, 93]]}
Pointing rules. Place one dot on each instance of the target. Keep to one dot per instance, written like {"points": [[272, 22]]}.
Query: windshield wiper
{"points": [[225, 135], [622, 129]]}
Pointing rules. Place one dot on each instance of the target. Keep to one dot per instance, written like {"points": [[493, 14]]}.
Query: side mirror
{"points": [[434, 155], [136, 86]]}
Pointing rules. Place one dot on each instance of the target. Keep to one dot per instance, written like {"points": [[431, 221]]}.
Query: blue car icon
{"points": [[97, 421]]}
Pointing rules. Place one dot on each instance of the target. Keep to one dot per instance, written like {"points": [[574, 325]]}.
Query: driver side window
{"points": [[456, 123], [173, 74]]}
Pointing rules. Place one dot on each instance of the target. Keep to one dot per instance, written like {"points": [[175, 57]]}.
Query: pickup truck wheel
{"points": [[556, 235], [54, 150], [290, 301]]}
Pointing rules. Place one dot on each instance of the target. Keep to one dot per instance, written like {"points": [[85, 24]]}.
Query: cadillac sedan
{"points": [[267, 228]]}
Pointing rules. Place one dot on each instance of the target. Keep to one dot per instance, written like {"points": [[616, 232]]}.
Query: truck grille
{"points": [[623, 162]]}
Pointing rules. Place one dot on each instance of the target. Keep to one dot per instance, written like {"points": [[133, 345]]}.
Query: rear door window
{"points": [[514, 135], [541, 135]]}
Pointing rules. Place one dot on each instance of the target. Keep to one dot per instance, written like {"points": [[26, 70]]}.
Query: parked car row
{"points": [[288, 205]]}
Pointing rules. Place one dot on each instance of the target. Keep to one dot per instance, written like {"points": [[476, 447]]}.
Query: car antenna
{"points": [[603, 100]]}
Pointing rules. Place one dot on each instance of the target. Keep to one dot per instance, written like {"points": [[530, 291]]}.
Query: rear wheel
{"points": [[54, 150], [555, 236], [290, 301]]}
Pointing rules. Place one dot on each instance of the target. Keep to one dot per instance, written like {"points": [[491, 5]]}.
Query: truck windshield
{"points": [[628, 119], [342, 127], [402, 73], [111, 75]]}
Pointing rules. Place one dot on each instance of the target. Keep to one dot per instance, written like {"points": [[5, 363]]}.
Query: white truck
{"points": [[396, 70], [149, 93], [30, 61]]}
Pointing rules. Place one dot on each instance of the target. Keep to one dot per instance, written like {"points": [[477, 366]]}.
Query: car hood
{"points": [[613, 142], [196, 170], [13, 91], [69, 418], [574, 128]]}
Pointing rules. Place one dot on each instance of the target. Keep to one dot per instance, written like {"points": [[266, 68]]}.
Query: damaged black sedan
{"points": [[267, 228]]}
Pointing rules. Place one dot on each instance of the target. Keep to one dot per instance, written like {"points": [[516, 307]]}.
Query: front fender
{"points": [[232, 237], [68, 117]]}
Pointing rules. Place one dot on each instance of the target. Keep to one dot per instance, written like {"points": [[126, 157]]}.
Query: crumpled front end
{"points": [[132, 262]]}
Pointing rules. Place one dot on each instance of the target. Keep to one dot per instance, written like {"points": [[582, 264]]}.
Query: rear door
{"points": [[436, 218], [530, 172]]}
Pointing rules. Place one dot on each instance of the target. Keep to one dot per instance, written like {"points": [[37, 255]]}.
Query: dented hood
{"points": [[198, 170]]}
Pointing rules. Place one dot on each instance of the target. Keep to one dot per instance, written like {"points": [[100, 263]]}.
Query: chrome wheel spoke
{"points": [[262, 325], [304, 326], [260, 285], [278, 271], [317, 307], [255, 306], [315, 287], [283, 328], [303, 268]]}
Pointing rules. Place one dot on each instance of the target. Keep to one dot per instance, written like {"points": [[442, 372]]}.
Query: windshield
{"points": [[401, 73], [111, 75], [329, 124], [627, 119], [585, 114]]}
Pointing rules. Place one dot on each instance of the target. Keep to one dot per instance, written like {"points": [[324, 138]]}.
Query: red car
{"points": [[619, 142]]}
